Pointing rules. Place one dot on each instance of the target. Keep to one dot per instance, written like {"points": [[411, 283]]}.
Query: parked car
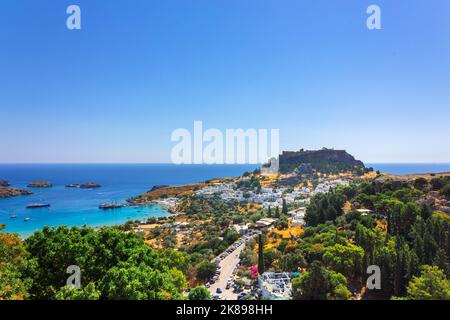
{"points": [[242, 296], [219, 290]]}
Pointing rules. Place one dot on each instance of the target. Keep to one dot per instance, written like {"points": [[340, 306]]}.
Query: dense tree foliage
{"points": [[400, 235], [324, 207], [319, 284], [13, 281], [346, 259], [261, 266], [113, 264], [420, 183], [199, 293], [432, 284], [88, 292], [205, 270]]}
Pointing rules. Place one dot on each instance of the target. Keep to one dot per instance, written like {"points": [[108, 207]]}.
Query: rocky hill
{"points": [[324, 160]]}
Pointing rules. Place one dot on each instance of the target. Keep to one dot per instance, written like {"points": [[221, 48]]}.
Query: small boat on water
{"points": [[38, 205], [13, 216], [27, 219], [108, 205]]}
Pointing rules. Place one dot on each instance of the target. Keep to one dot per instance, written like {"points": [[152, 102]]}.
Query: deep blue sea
{"points": [[410, 168], [77, 207]]}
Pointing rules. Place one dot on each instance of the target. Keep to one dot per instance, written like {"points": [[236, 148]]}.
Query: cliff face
{"points": [[327, 160]]}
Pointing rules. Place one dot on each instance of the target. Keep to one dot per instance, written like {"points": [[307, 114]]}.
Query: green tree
{"points": [[141, 282], [86, 293], [319, 284], [324, 207], [445, 191], [282, 223], [13, 262], [292, 261], [385, 257], [432, 284], [368, 239], [119, 264], [425, 211], [199, 293], [420, 183], [346, 259], [260, 255], [206, 270], [230, 236], [439, 182], [284, 209], [340, 292], [408, 216], [277, 212]]}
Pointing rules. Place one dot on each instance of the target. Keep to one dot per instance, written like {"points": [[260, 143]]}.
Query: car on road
{"points": [[228, 286], [241, 295], [219, 290]]}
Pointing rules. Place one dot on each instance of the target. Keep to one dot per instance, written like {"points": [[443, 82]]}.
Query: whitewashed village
{"points": [[269, 285]]}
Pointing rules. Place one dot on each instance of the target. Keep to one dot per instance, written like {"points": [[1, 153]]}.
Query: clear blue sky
{"points": [[115, 90]]}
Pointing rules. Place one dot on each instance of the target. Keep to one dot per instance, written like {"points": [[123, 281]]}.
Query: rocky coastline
{"points": [[6, 192], [40, 184]]}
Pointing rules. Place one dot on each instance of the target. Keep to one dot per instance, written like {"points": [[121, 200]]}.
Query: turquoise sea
{"points": [[77, 207]]}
